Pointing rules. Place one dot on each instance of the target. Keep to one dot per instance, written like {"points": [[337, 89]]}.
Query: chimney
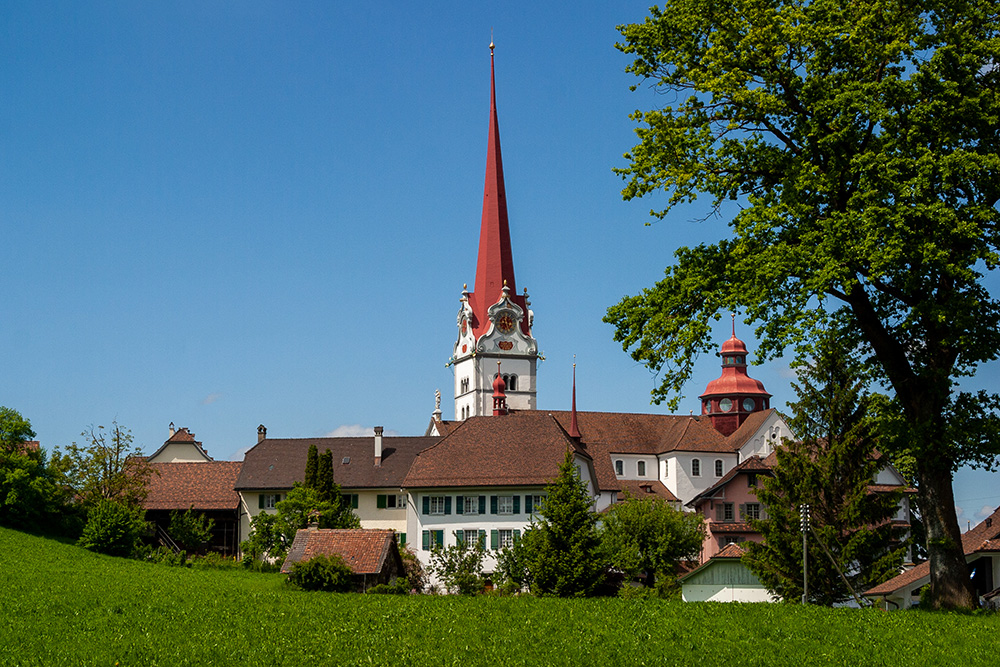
{"points": [[171, 428], [261, 433], [378, 446]]}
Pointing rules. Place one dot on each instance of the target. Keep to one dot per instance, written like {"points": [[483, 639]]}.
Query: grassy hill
{"points": [[65, 605]]}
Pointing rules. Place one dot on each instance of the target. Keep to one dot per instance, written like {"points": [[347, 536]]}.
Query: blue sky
{"points": [[227, 214]]}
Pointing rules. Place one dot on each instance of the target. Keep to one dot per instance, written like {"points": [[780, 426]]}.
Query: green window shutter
{"points": [[527, 505], [494, 538], [380, 501], [743, 511], [427, 540], [493, 505], [482, 504], [719, 512], [427, 505], [459, 505], [439, 538], [401, 539], [354, 501], [447, 504], [260, 501], [517, 504], [517, 535], [482, 538], [459, 536]]}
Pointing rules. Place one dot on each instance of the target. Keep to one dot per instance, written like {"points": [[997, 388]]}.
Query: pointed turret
{"points": [[574, 430]]}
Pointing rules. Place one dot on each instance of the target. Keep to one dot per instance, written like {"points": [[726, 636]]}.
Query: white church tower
{"points": [[494, 321]]}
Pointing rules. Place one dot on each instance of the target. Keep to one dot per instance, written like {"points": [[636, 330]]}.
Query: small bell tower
{"points": [[733, 396]]}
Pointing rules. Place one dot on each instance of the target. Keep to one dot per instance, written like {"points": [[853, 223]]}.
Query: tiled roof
{"points": [[731, 551], [723, 527], [644, 489], [275, 463], [748, 428], [182, 435], [364, 551], [754, 464], [985, 536], [518, 449], [206, 486]]}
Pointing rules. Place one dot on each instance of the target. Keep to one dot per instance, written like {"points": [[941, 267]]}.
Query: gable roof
{"points": [[181, 436], [643, 489], [364, 551], [277, 463], [518, 449], [752, 465], [730, 552], [206, 486], [984, 537]]}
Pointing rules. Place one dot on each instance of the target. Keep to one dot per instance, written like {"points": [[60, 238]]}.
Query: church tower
{"points": [[494, 321], [729, 399]]}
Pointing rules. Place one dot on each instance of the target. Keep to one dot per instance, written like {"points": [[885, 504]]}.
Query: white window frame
{"points": [[470, 505], [696, 467], [436, 505], [505, 504], [536, 503], [506, 537], [619, 467], [395, 501], [470, 537], [270, 500], [720, 468]]}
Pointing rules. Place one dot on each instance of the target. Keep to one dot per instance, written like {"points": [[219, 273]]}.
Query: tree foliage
{"points": [[514, 563], [831, 469], [190, 529], [114, 528], [459, 567], [312, 468], [566, 561], [649, 537], [861, 142], [15, 430], [108, 467]]}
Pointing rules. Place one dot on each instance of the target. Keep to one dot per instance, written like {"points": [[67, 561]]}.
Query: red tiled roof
{"points": [[278, 463], [640, 489], [518, 449], [985, 536], [731, 550], [206, 486], [364, 551]]}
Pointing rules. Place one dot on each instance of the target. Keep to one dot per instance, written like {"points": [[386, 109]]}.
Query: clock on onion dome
{"points": [[733, 396]]}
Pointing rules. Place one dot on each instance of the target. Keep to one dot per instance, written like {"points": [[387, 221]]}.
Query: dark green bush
{"points": [[113, 529], [399, 586], [322, 573]]}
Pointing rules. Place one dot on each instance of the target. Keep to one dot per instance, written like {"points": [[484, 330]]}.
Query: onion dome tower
{"points": [[494, 321], [733, 396]]}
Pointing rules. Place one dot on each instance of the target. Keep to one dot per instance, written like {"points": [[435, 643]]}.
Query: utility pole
{"points": [[804, 524]]}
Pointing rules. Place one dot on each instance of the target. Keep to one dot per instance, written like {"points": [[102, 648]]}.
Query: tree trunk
{"points": [[949, 573]]}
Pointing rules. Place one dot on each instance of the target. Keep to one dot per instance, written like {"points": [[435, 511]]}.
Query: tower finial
{"points": [[733, 315], [491, 42]]}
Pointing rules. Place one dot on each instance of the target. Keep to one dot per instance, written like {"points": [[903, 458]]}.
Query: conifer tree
{"points": [[312, 468], [831, 469], [324, 477], [565, 561]]}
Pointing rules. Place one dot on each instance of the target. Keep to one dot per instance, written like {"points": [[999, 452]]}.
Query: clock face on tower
{"points": [[505, 323]]}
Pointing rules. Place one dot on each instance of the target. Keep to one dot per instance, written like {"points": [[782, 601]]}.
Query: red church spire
{"points": [[495, 266], [574, 430]]}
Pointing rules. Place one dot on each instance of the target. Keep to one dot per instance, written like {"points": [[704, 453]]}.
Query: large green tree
{"points": [[860, 141], [565, 558], [108, 467], [31, 495], [15, 430], [830, 467], [648, 537]]}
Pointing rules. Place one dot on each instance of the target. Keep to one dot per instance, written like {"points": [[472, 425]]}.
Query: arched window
{"points": [[696, 467], [642, 468], [619, 468], [718, 467], [511, 382]]}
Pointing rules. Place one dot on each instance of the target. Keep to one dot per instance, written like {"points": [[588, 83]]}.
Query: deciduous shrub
{"points": [[113, 528], [322, 573]]}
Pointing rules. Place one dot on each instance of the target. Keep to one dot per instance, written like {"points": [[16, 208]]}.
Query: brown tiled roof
{"points": [[750, 425], [754, 464], [518, 449], [206, 486], [444, 427], [275, 463], [985, 536], [723, 527], [645, 489], [729, 552], [364, 551]]}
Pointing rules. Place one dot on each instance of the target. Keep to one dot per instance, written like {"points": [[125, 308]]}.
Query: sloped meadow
{"points": [[63, 605]]}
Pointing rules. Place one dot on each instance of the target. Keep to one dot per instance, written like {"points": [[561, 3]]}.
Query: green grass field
{"points": [[64, 605]]}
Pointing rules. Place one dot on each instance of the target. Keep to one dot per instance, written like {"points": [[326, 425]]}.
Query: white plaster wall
{"points": [[724, 593], [685, 486], [767, 437], [888, 475], [630, 466], [373, 517], [179, 452]]}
